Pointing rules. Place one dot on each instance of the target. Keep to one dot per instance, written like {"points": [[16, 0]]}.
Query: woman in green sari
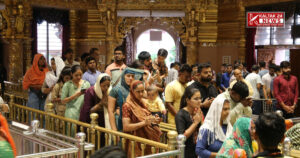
{"points": [[239, 139], [72, 94]]}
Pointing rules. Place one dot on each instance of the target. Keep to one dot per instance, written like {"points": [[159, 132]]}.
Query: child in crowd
{"points": [[154, 103]]}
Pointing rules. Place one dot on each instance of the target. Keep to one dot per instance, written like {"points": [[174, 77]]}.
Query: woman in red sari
{"points": [[137, 119]]}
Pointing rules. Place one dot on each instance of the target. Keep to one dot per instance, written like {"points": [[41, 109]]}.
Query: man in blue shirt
{"points": [[226, 77], [92, 73]]}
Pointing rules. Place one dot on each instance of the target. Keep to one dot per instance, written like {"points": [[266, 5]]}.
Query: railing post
{"points": [[287, 146], [94, 123], [49, 110], [181, 144], [172, 140], [94, 119], [80, 144], [11, 101]]}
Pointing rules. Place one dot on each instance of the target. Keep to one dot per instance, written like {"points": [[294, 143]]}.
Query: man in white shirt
{"points": [[256, 83], [173, 72], [267, 78]]}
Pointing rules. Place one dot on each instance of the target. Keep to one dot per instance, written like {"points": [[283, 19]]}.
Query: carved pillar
{"points": [[73, 18], [192, 18], [111, 32], [14, 12], [27, 36]]}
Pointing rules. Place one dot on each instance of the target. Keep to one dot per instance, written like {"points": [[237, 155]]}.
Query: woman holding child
{"points": [[137, 119]]}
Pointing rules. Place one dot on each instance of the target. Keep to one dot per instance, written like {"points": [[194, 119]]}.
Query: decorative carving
{"points": [[20, 20], [70, 4]]}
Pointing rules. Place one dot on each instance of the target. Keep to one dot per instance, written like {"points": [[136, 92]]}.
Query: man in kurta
{"points": [[175, 90], [33, 81], [286, 90]]}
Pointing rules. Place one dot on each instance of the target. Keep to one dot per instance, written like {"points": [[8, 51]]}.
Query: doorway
{"points": [[152, 40]]}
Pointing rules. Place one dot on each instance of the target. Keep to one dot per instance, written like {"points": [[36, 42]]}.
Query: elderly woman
{"points": [[214, 130], [137, 119]]}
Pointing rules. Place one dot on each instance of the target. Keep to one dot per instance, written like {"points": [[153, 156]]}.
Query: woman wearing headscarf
{"points": [[7, 145], [118, 95], [188, 119], [73, 94], [137, 119], [33, 80], [57, 65], [240, 138], [95, 100], [214, 130]]}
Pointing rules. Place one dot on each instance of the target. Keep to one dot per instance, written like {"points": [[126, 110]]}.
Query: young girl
{"points": [[189, 118], [64, 77], [154, 103]]}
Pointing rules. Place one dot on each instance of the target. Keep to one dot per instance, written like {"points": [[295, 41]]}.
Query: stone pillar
{"points": [[73, 19]]}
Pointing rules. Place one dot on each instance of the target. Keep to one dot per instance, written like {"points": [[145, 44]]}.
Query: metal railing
{"points": [[179, 152], [35, 142], [64, 126], [266, 107]]}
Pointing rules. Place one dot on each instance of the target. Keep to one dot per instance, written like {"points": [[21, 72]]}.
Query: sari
{"points": [[7, 148], [136, 111], [239, 139], [121, 91], [93, 96]]}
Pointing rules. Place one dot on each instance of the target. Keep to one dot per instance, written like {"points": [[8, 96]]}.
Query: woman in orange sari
{"points": [[137, 119], [7, 145]]}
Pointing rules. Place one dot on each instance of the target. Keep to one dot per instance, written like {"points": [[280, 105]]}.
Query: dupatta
{"points": [[212, 123], [240, 138]]}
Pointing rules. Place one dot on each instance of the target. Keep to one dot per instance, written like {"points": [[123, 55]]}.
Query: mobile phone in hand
{"points": [[83, 90]]}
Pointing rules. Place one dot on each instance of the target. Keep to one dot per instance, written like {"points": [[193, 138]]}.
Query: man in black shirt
{"points": [[207, 90]]}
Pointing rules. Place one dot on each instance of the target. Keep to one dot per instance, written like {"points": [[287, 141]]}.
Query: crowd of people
{"points": [[213, 110]]}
